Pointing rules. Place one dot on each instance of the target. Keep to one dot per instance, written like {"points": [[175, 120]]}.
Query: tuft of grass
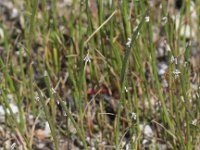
{"points": [[113, 69]]}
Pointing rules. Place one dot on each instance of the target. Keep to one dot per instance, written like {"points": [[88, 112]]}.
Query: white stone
{"points": [[1, 34], [146, 130], [47, 130], [14, 13]]}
